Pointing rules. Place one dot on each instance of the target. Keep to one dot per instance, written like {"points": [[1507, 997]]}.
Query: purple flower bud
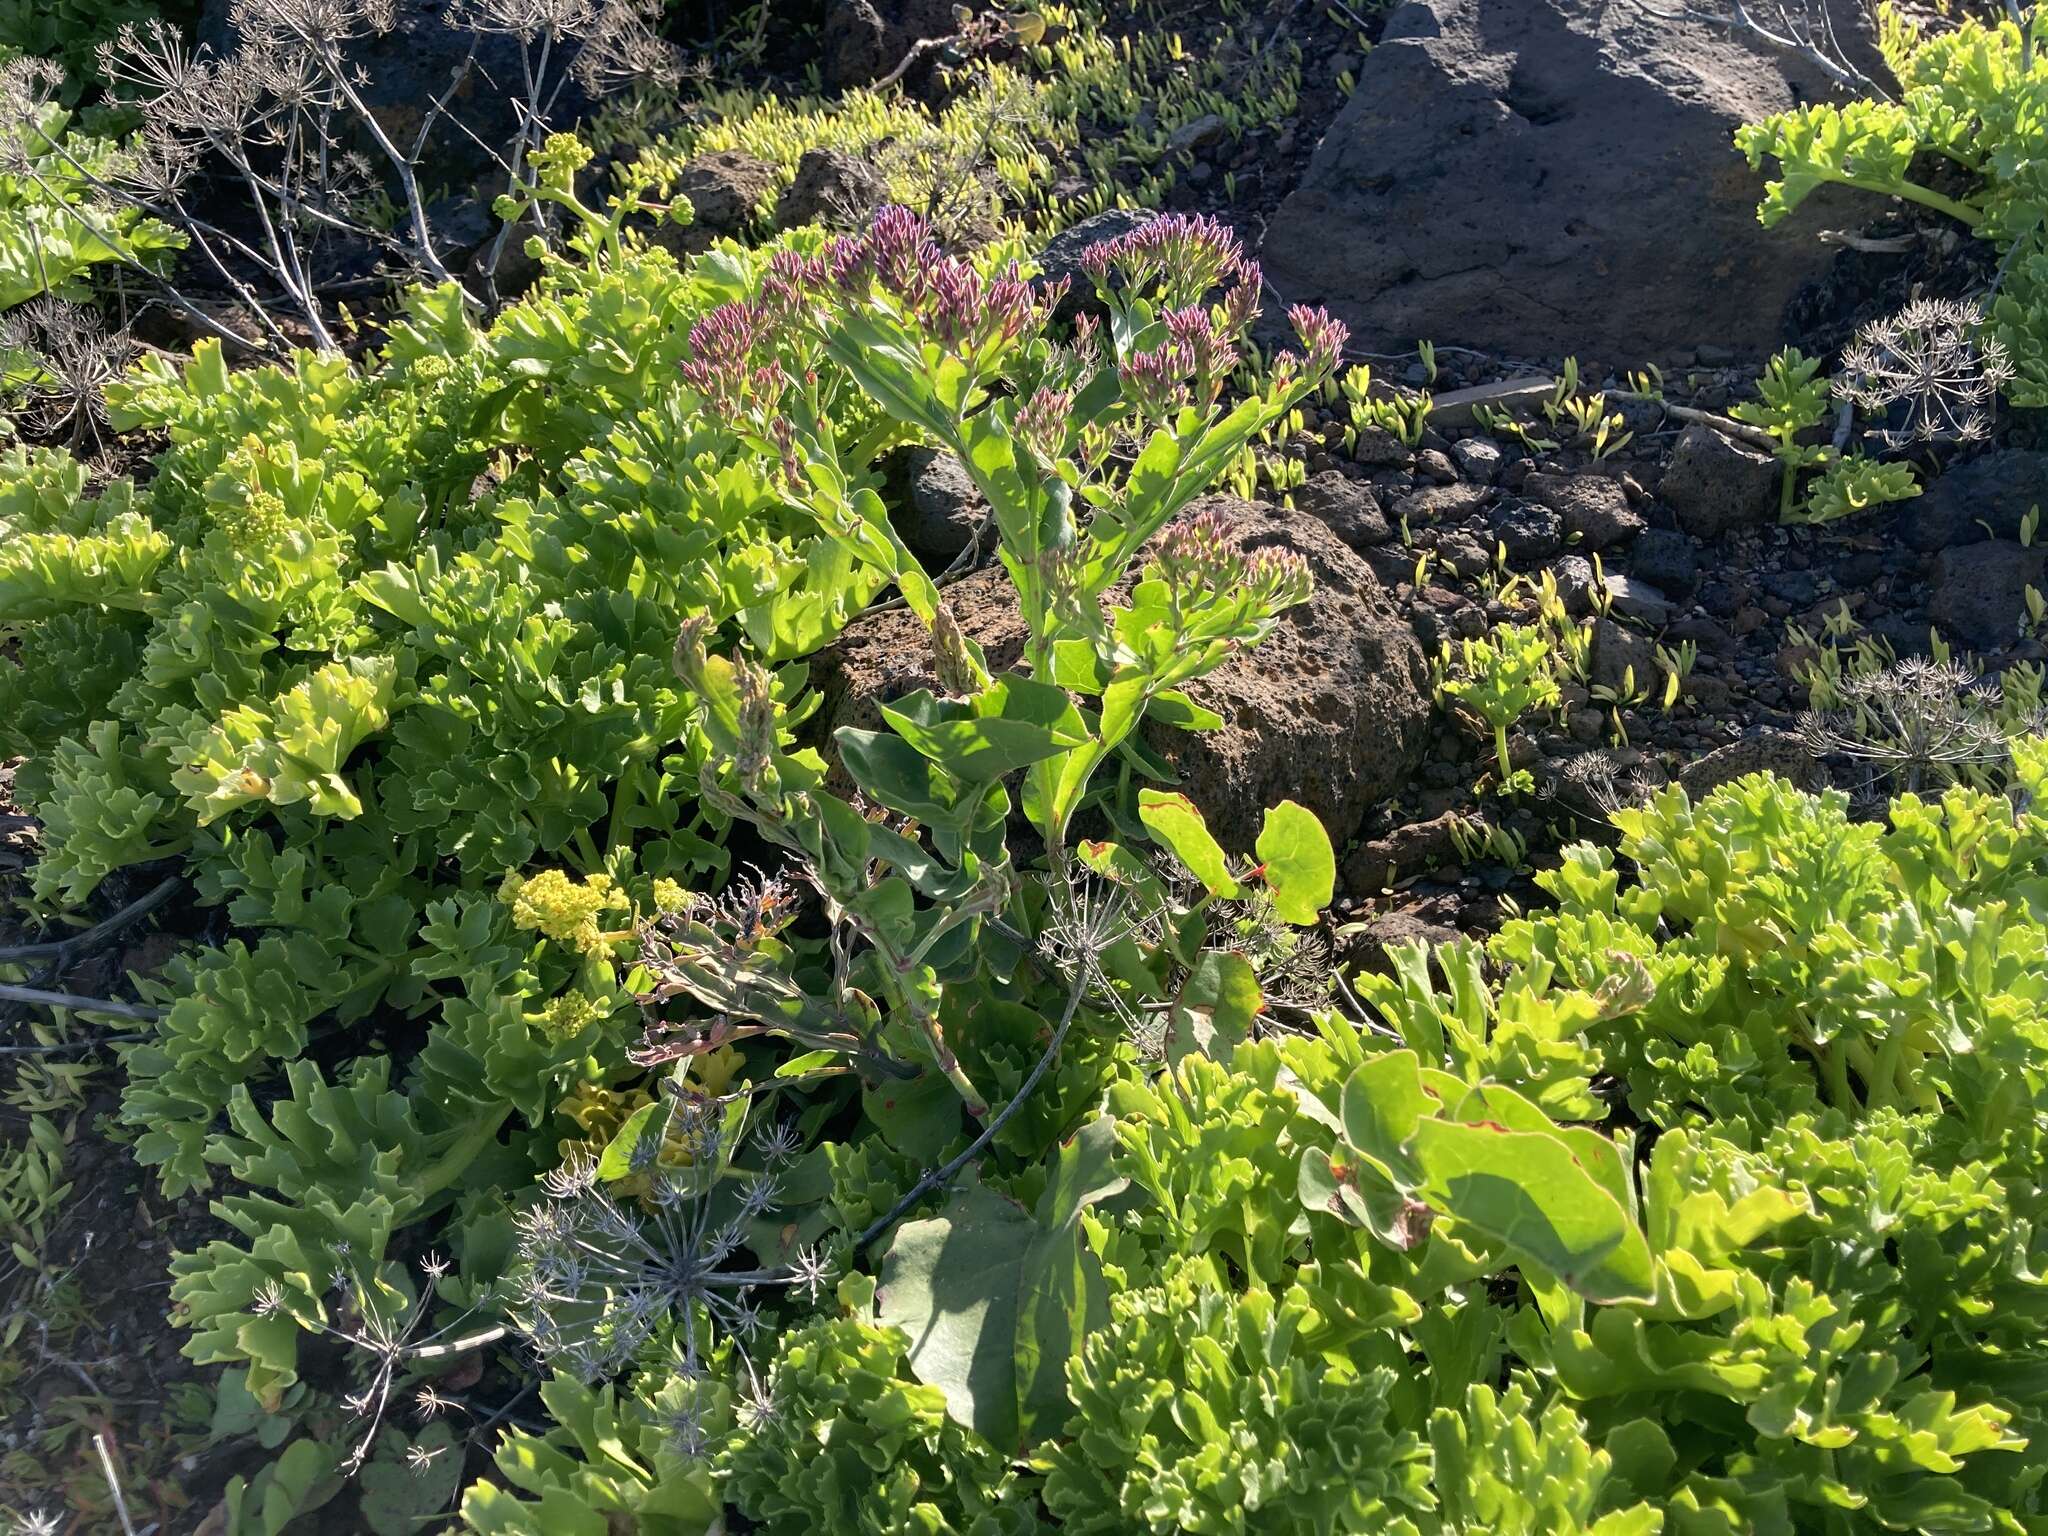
{"points": [[1322, 336], [1278, 578], [1041, 422], [1198, 554], [1088, 341], [1202, 351], [721, 365], [1153, 382], [1184, 255], [1241, 304], [793, 279]]}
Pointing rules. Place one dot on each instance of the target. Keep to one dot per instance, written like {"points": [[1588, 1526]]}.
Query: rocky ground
{"points": [[1516, 181], [1521, 182]]}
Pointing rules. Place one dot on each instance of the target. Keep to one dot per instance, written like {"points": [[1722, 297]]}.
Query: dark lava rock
{"points": [[1574, 575], [1061, 255], [727, 188], [1665, 558], [1366, 947], [1593, 507], [1347, 507], [1414, 849], [400, 71], [1618, 652], [1636, 599], [1331, 709], [1716, 485], [937, 507], [1528, 533], [1441, 503], [1503, 160], [1795, 587], [865, 39], [833, 187], [1996, 488], [1765, 749], [1980, 590], [1479, 458]]}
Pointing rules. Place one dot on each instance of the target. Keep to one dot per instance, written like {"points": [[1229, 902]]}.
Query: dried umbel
{"points": [[1931, 359], [55, 364], [599, 1275], [1594, 785], [285, 109], [1924, 722]]}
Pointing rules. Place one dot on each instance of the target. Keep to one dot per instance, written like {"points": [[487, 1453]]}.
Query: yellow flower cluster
{"points": [[565, 1017], [564, 909]]}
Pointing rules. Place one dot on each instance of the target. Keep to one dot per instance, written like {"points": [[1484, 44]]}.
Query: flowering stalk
{"points": [[963, 358]]}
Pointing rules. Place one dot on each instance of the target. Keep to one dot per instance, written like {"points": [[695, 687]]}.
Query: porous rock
{"points": [[1980, 590], [1593, 507], [727, 189], [1347, 507], [1330, 710], [936, 504], [1766, 749], [863, 40], [1716, 485], [833, 187], [1986, 498]]}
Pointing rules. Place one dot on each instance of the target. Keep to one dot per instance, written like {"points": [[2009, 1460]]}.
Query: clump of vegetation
{"points": [[1969, 96], [631, 1096], [1501, 678], [54, 229]]}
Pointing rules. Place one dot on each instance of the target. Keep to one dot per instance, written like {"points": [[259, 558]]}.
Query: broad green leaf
{"points": [[1014, 723], [619, 1158], [1063, 1297], [1215, 1007], [894, 773], [1300, 866], [1175, 821], [1530, 1191], [1172, 707], [951, 1283]]}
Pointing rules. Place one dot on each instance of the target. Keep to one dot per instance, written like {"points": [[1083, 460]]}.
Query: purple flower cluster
{"points": [[1198, 558], [731, 362], [1184, 255], [1322, 336], [1041, 422], [950, 302]]}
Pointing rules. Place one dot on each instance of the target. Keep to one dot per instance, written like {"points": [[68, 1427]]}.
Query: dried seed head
{"points": [[1932, 359]]}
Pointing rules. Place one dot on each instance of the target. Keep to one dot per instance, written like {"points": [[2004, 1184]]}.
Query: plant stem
{"points": [[9, 993], [61, 952], [936, 1178]]}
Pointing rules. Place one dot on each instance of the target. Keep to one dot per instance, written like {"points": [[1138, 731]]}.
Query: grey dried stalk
{"points": [[283, 111], [56, 361]]}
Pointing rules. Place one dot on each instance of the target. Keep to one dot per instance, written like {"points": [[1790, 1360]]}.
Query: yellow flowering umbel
{"points": [[564, 909], [567, 1016]]}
